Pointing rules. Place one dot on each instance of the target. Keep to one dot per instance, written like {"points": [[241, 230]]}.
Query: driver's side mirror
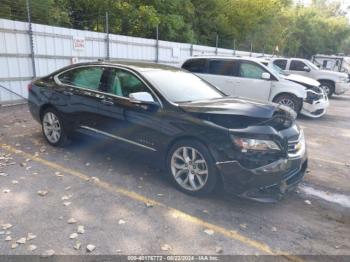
{"points": [[266, 76], [307, 69], [142, 98]]}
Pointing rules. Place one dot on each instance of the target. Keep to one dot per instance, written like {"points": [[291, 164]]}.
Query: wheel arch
{"points": [[286, 93], [290, 94], [327, 81], [43, 108]]}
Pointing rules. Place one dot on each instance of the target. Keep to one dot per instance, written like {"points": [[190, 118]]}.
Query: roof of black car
{"points": [[136, 65]]}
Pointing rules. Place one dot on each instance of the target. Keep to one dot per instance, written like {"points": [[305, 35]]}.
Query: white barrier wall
{"points": [[55, 47]]}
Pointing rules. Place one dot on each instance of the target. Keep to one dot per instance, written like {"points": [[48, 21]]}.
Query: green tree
{"points": [[297, 30]]}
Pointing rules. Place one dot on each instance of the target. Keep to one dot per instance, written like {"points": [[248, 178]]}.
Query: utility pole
{"points": [[157, 44], [234, 46], [30, 32], [216, 43], [107, 36], [251, 48]]}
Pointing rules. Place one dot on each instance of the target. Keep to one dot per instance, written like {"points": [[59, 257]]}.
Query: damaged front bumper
{"points": [[270, 182], [315, 105]]}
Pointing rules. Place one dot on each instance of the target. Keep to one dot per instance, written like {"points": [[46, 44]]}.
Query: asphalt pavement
{"points": [[96, 193]]}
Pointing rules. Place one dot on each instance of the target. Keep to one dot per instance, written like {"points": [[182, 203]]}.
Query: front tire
{"points": [[192, 168], [53, 128], [290, 101]]}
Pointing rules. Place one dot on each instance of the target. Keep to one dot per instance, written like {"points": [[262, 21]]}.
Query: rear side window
{"points": [[195, 65], [85, 77], [297, 65], [221, 67], [281, 63]]}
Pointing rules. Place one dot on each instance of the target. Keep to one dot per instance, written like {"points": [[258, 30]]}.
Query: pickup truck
{"points": [[331, 82]]}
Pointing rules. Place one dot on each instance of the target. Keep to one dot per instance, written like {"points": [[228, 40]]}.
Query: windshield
{"points": [[179, 86], [311, 65]]}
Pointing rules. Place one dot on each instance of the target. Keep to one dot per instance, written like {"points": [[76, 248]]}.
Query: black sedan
{"points": [[203, 137]]}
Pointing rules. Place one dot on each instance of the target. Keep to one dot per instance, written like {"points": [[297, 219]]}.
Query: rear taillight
{"points": [[30, 86]]}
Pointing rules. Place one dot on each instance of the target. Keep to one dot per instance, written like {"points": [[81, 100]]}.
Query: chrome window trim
{"points": [[57, 81], [118, 138]]}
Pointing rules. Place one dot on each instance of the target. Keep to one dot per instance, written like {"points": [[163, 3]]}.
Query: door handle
{"points": [[107, 102], [67, 93]]}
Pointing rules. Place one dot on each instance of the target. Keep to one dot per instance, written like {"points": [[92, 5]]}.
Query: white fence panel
{"points": [[53, 49]]}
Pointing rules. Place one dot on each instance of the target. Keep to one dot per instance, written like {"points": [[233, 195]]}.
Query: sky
{"points": [[345, 4], [307, 2]]}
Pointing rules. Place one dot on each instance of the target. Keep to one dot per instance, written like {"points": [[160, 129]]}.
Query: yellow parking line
{"points": [[137, 197], [328, 161]]}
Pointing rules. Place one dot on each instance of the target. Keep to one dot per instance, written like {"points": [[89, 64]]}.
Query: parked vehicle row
{"points": [[261, 80], [201, 136]]}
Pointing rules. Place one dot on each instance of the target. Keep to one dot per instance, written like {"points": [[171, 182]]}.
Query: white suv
{"points": [[332, 82], [246, 77]]}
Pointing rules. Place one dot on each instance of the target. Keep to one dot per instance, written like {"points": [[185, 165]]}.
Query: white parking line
{"points": [[340, 199]]}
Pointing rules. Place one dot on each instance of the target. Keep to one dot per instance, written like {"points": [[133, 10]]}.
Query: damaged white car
{"points": [[316, 102]]}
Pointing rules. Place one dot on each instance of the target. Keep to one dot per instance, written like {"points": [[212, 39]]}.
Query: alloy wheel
{"points": [[326, 89], [52, 127], [287, 102], [189, 168]]}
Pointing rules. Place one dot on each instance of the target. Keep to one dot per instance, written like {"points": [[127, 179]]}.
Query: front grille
{"points": [[315, 94], [312, 95]]}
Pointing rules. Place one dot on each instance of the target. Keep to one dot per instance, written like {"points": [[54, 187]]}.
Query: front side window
{"points": [[195, 65], [281, 63], [250, 70], [84, 77], [297, 65], [221, 67], [122, 83]]}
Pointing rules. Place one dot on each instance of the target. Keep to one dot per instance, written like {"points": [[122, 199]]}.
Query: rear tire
{"points": [[191, 168], [328, 87], [53, 128], [290, 101]]}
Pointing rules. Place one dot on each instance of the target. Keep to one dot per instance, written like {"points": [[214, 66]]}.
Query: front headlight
{"points": [[246, 144]]}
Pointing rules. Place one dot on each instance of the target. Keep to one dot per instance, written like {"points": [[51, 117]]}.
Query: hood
{"points": [[238, 113], [333, 73], [302, 80], [231, 106]]}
